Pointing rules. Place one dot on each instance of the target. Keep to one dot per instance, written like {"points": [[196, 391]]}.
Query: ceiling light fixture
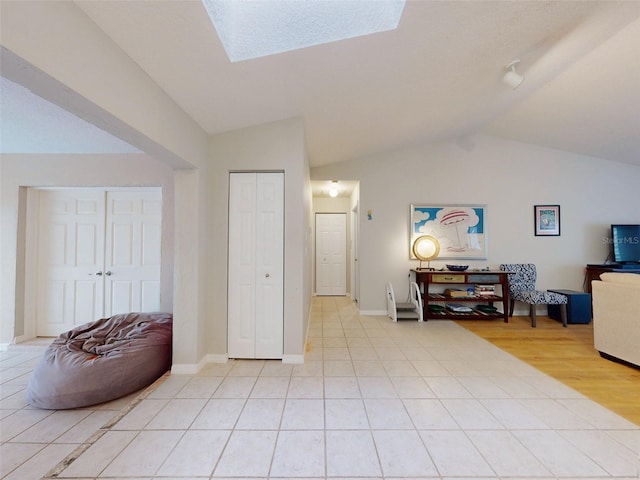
{"points": [[512, 78], [333, 190]]}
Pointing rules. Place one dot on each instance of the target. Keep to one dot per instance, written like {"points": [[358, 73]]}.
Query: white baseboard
{"points": [[374, 313], [4, 347], [216, 358], [193, 368], [21, 338], [184, 369], [297, 359]]}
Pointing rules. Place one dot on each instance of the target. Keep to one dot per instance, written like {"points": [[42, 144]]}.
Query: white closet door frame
{"points": [[256, 265]]}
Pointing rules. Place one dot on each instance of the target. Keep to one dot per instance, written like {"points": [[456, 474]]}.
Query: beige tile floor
{"points": [[373, 400]]}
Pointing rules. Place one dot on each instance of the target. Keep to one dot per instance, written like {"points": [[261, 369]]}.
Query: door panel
{"points": [[242, 245], [256, 271], [71, 236], [150, 291], [132, 253], [331, 247], [86, 270], [269, 266]]}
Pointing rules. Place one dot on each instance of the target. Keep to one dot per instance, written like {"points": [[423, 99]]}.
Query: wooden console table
{"points": [[594, 271], [463, 280]]}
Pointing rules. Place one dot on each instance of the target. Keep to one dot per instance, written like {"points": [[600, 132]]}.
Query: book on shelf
{"points": [[458, 308], [455, 293], [484, 290]]}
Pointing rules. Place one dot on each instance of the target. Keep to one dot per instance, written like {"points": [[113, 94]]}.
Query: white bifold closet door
{"points": [[98, 254], [256, 265]]}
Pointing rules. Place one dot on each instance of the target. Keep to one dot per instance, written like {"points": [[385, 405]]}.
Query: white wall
{"points": [[198, 229], [56, 51], [19, 171], [277, 146], [510, 178]]}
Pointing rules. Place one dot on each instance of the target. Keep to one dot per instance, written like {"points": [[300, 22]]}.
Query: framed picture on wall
{"points": [[461, 230], [547, 220]]}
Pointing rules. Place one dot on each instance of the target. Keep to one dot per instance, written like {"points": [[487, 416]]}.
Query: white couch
{"points": [[616, 316]]}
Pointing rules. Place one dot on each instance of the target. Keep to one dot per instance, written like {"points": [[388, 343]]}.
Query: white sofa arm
{"points": [[616, 316]]}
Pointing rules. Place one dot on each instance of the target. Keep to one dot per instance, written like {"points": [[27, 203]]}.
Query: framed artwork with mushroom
{"points": [[547, 220], [461, 230]]}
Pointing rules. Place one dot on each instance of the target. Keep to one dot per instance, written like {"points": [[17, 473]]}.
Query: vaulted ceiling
{"points": [[436, 77]]}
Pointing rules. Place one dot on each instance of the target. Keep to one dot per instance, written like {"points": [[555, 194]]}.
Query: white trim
{"points": [[4, 347], [193, 368], [32, 225], [297, 359], [23, 338], [188, 368], [216, 358], [185, 368], [374, 313]]}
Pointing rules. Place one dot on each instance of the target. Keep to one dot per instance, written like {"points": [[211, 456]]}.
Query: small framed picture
{"points": [[547, 220]]}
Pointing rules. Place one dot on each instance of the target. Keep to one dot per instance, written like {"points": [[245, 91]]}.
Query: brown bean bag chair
{"points": [[102, 360]]}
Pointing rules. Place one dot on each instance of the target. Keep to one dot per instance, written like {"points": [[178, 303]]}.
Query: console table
{"points": [[594, 271], [427, 278]]}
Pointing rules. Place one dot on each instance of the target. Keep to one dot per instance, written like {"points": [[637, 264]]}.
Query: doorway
{"points": [[255, 296], [331, 253], [94, 253]]}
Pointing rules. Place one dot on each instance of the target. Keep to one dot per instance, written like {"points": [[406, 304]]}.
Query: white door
{"points": [[98, 254], [331, 257], [70, 259], [132, 252], [256, 265]]}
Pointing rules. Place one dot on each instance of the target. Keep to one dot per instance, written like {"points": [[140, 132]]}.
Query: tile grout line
{"points": [[398, 344], [84, 446]]}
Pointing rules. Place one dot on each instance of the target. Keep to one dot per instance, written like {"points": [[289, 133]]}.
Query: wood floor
{"points": [[568, 355]]}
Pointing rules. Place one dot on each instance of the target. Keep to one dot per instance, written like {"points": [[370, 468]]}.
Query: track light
{"points": [[512, 78]]}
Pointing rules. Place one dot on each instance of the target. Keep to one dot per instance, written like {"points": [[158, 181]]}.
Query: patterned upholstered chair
{"points": [[522, 287]]}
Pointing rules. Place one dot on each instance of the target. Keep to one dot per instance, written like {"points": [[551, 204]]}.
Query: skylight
{"points": [[257, 28]]}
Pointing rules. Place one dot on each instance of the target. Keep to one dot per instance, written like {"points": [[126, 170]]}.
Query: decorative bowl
{"points": [[457, 268]]}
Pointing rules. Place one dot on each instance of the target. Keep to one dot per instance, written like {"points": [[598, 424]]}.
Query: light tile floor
{"points": [[373, 399]]}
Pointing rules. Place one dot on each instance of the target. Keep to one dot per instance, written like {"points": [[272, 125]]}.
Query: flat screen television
{"points": [[626, 243]]}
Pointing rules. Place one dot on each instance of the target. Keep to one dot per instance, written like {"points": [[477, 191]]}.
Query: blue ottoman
{"points": [[578, 307]]}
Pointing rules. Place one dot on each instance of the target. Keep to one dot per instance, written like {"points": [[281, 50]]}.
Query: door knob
{"points": [[99, 274], [108, 273], [267, 275]]}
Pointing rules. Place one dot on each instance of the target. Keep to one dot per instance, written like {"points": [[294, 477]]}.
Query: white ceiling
{"points": [[436, 77], [31, 124]]}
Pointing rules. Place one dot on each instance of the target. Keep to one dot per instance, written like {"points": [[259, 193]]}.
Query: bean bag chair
{"points": [[102, 360]]}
